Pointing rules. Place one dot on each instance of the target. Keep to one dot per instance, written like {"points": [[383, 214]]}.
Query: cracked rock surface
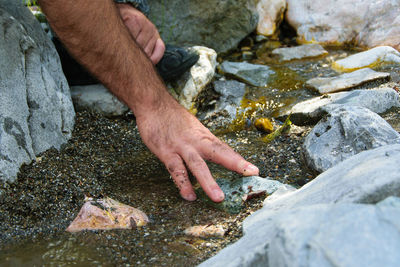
{"points": [[36, 111]]}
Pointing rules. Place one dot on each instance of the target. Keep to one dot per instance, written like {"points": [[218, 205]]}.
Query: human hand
{"points": [[180, 141], [143, 31]]}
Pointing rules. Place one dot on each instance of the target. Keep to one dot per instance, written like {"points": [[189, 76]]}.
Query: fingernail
{"points": [[218, 195], [250, 170], [190, 197]]}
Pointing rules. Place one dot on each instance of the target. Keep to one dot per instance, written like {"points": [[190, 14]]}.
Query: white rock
{"points": [[270, 14], [345, 81], [370, 58], [97, 98], [367, 23], [300, 52], [200, 75]]}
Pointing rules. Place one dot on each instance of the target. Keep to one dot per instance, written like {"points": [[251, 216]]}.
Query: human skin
{"points": [[96, 36]]}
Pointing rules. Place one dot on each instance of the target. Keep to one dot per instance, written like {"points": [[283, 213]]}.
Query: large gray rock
{"points": [[367, 23], [344, 132], [220, 25], [311, 111], [36, 111], [318, 235]]}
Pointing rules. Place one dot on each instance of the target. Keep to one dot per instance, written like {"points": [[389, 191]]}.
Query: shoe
{"points": [[175, 62]]}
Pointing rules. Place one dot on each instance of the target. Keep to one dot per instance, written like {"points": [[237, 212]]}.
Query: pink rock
{"points": [[205, 231], [107, 214]]}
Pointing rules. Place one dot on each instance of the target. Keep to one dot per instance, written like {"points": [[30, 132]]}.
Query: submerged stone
{"points": [[368, 59], [253, 74], [264, 125], [237, 191], [300, 52], [107, 214], [205, 231], [345, 81]]}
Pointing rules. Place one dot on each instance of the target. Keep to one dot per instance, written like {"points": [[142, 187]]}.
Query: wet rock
{"points": [[239, 190], [364, 23], [192, 83], [222, 29], [205, 231], [345, 81], [97, 98], [264, 125], [344, 132], [270, 14], [36, 111], [311, 111], [253, 74], [107, 214], [370, 58], [300, 52], [317, 235]]}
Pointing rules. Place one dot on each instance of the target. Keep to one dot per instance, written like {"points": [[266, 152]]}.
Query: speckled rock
{"points": [[370, 58], [193, 82], [366, 23], [311, 111], [253, 74], [36, 111], [191, 23], [344, 132], [345, 81], [270, 14], [300, 52], [97, 98]]}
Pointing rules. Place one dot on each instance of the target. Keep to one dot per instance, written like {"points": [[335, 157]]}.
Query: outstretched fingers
{"points": [[220, 153], [179, 175]]}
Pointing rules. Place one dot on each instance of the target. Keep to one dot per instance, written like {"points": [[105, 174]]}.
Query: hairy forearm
{"points": [[96, 36]]}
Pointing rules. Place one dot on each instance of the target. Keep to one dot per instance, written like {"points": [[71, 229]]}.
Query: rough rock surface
{"points": [[253, 74], [36, 111], [344, 132], [191, 22], [270, 14], [311, 111], [345, 81], [318, 235], [193, 82], [366, 23], [300, 52], [98, 99], [370, 58]]}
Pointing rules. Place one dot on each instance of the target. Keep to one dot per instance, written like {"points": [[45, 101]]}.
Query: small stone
{"points": [[300, 52], [264, 125], [370, 58], [270, 13], [205, 231], [107, 214], [346, 80], [253, 74]]}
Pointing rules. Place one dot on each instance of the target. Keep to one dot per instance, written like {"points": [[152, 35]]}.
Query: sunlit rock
{"points": [[270, 14], [344, 132], [300, 52], [98, 99], [193, 82], [107, 214], [366, 23], [264, 125], [311, 111], [205, 231], [253, 74], [368, 59], [345, 81]]}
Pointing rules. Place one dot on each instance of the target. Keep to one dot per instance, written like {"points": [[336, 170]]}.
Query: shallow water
{"points": [[113, 162]]}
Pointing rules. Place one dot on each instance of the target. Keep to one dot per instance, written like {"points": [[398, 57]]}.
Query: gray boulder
{"points": [[311, 111], [220, 25], [344, 132], [36, 111], [318, 235]]}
